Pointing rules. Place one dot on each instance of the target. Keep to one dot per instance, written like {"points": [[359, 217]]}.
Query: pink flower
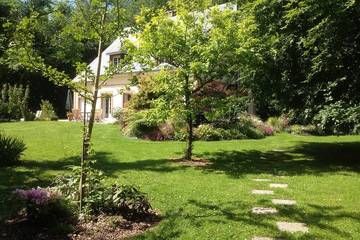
{"points": [[268, 131]]}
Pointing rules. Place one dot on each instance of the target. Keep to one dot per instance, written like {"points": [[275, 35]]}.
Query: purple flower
{"points": [[38, 196]]}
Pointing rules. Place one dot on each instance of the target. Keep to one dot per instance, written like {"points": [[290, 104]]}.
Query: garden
{"points": [[234, 119], [202, 202]]}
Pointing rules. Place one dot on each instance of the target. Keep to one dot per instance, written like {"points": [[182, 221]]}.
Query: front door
{"points": [[107, 106]]}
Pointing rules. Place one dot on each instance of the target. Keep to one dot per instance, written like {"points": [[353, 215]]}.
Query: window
{"points": [[116, 58], [116, 61]]}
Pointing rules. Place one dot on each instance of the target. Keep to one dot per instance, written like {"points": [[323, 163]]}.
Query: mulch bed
{"points": [[195, 162], [103, 227]]}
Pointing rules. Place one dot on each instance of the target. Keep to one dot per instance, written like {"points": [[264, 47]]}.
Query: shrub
{"points": [[339, 118], [139, 128], [304, 129], [46, 207], [228, 134], [11, 149], [47, 111], [14, 102], [207, 132], [167, 131], [278, 124], [126, 200], [118, 114], [29, 116], [251, 126], [181, 134]]}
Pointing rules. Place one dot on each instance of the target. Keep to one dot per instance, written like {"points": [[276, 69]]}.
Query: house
{"points": [[114, 93]]}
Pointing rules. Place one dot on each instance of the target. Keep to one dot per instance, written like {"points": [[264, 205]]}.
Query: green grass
{"points": [[213, 202]]}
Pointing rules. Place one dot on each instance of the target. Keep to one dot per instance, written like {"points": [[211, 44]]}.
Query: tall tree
{"points": [[311, 55], [196, 47]]}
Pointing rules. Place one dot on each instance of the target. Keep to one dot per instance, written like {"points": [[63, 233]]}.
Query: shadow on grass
{"points": [[305, 158], [318, 217]]}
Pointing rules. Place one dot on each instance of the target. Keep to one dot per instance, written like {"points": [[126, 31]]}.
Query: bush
{"points": [[11, 149], [125, 200], [229, 134], [139, 128], [14, 102], [251, 126], [181, 134], [278, 124], [47, 111], [304, 130], [118, 114], [339, 118], [46, 207], [167, 130], [207, 132]]}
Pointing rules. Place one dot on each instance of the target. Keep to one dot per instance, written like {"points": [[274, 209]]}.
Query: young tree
{"points": [[94, 20], [197, 46]]}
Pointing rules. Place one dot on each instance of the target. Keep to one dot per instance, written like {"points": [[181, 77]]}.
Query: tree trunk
{"points": [[189, 120], [89, 129]]}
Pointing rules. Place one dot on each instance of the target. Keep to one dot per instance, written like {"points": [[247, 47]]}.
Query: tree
{"points": [[194, 48], [311, 55]]}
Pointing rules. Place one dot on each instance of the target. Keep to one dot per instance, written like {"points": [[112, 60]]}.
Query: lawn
{"points": [[212, 202]]}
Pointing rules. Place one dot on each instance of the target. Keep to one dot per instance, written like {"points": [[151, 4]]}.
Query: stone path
{"points": [[264, 238], [264, 210], [261, 180], [283, 202], [278, 185], [263, 192], [291, 227]]}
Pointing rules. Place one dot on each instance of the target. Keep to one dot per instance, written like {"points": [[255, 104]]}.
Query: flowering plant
{"points": [[268, 131], [44, 205], [38, 196]]}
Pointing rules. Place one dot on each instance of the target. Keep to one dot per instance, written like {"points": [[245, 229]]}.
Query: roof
{"points": [[116, 48]]}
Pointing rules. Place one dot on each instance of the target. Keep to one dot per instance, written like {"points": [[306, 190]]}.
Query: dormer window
{"points": [[116, 58]]}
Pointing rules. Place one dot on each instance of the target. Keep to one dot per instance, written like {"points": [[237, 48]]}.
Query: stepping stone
{"points": [[261, 180], [292, 227], [263, 238], [264, 210], [278, 185], [283, 202], [263, 192], [278, 150]]}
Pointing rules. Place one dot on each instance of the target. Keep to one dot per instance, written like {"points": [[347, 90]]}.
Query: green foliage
{"points": [[181, 134], [193, 50], [136, 124], [339, 118], [126, 200], [47, 111], [304, 129], [118, 114], [117, 199], [11, 149], [68, 185], [225, 108], [14, 102], [310, 51]]}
